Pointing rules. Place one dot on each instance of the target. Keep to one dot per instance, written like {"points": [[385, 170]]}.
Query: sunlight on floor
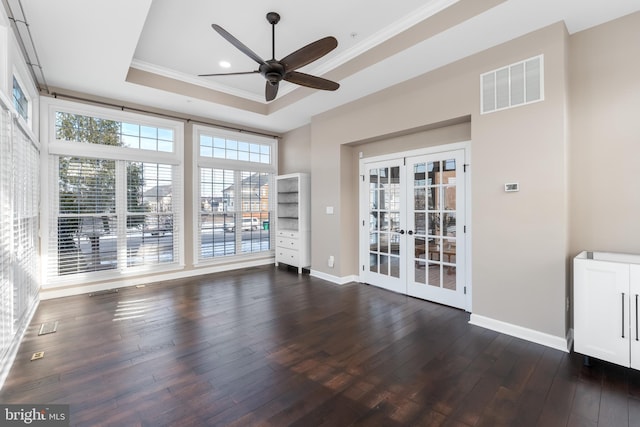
{"points": [[130, 310]]}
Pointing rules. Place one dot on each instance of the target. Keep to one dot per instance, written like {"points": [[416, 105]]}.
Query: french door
{"points": [[413, 226], [384, 241]]}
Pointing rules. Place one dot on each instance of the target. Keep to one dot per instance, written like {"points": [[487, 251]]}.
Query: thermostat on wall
{"points": [[512, 186]]}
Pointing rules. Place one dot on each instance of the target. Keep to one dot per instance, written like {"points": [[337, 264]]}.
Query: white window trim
{"points": [[238, 165], [53, 147]]}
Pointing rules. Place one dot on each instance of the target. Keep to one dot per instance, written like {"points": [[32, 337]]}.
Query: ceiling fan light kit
{"points": [[275, 71]]}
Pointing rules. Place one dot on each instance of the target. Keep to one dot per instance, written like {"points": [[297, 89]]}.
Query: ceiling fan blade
{"points": [[270, 91], [228, 74], [238, 44], [308, 80], [309, 53]]}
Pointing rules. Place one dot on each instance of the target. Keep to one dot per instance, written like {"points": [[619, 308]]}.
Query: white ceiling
{"points": [[90, 46]]}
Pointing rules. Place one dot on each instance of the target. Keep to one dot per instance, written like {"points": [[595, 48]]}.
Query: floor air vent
{"points": [[105, 292], [48, 328]]}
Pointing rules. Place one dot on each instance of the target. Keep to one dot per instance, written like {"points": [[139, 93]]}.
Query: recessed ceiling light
{"points": [[224, 64]]}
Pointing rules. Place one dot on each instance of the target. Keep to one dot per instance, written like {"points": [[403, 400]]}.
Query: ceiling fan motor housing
{"points": [[273, 71]]}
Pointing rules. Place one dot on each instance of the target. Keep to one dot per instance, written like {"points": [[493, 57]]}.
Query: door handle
{"points": [[401, 232], [637, 318], [410, 232], [623, 315]]}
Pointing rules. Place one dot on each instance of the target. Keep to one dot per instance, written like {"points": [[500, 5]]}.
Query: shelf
{"points": [[292, 219]]}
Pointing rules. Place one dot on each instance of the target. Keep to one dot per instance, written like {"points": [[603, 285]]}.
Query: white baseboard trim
{"points": [[10, 357], [60, 292], [334, 279], [532, 335]]}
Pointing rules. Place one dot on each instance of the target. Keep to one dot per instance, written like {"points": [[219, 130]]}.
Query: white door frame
{"points": [[363, 234]]}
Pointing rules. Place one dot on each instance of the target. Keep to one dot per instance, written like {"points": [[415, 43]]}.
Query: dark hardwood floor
{"points": [[265, 346]]}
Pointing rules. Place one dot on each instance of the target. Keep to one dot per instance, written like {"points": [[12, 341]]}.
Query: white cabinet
{"points": [[293, 220], [606, 289]]}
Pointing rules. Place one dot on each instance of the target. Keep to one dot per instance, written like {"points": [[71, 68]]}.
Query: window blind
{"points": [[19, 229], [6, 236], [87, 220], [113, 215], [26, 195]]}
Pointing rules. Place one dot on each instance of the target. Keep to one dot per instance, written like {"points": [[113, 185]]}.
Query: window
{"points": [[150, 207], [95, 130], [231, 149], [235, 175], [87, 218], [20, 101], [19, 228], [117, 208]]}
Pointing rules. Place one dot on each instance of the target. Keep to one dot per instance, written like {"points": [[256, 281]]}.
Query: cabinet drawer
{"points": [[288, 234], [287, 243], [288, 256]]}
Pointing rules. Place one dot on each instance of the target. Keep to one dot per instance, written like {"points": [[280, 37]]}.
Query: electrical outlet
{"points": [[331, 261]]}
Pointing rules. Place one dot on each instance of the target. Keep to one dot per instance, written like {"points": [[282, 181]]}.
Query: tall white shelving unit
{"points": [[293, 220]]}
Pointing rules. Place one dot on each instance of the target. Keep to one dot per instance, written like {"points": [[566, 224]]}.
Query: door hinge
{"points": [[363, 267], [465, 290], [362, 178], [363, 222], [464, 228], [465, 167]]}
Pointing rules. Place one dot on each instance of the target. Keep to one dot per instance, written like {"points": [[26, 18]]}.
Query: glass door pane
{"points": [[384, 221]]}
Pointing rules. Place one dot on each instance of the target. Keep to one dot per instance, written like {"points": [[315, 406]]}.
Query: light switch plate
{"points": [[329, 210]]}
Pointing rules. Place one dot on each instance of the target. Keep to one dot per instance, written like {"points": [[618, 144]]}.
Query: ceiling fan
{"points": [[275, 71]]}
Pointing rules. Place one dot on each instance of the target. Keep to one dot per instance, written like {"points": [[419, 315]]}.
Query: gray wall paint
{"points": [[519, 240], [294, 151], [605, 137], [574, 155]]}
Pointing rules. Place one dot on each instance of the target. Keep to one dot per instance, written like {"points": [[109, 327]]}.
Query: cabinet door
{"points": [[601, 310], [634, 295]]}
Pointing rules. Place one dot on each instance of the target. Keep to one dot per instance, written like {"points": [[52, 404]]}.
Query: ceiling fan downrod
{"points": [[273, 18]]}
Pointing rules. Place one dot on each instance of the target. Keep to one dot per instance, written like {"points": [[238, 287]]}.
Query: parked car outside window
{"points": [[247, 224]]}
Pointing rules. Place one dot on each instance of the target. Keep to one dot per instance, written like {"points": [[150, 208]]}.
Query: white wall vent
{"points": [[516, 84]]}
